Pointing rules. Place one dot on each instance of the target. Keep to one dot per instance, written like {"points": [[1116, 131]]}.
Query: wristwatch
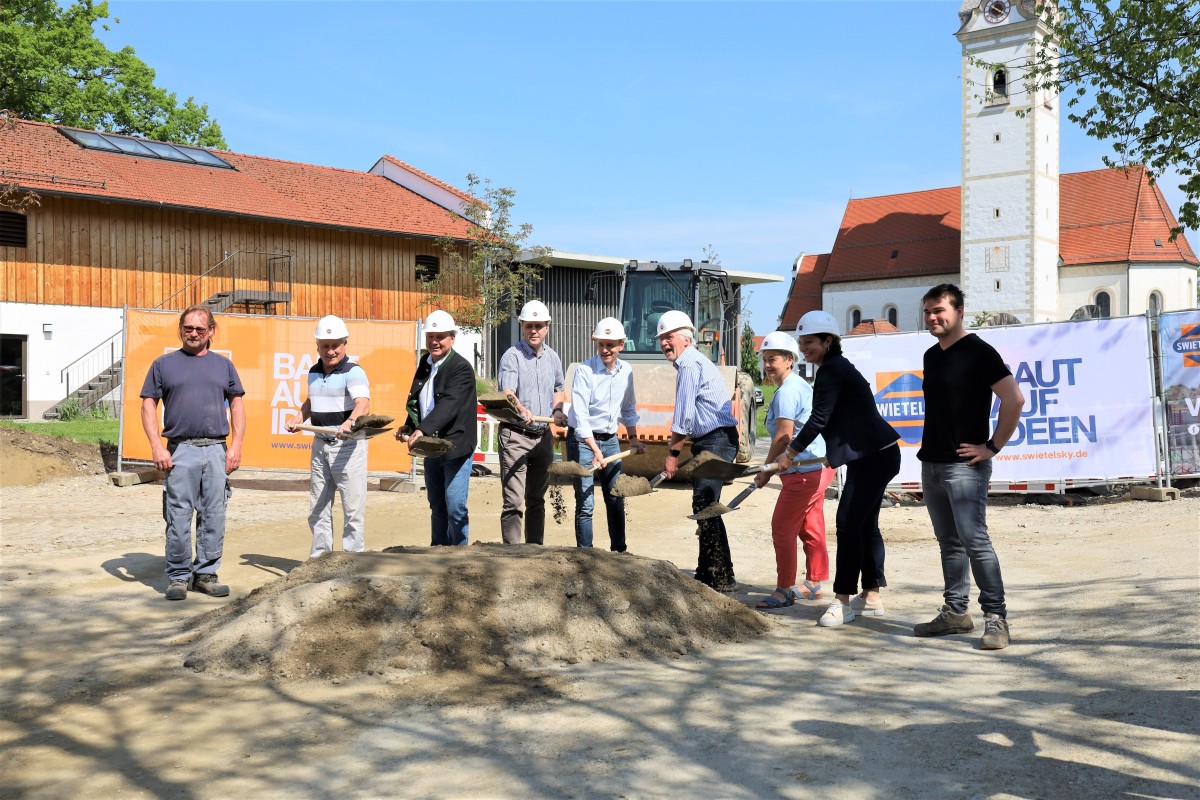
{"points": [[990, 445]]}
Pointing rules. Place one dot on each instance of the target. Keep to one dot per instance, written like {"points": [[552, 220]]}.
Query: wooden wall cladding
{"points": [[92, 253]]}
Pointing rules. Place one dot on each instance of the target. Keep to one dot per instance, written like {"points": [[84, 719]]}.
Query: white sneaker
{"points": [[838, 613], [866, 608]]}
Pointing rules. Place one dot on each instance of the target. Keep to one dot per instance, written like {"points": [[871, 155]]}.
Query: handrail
{"points": [[198, 278], [65, 374]]}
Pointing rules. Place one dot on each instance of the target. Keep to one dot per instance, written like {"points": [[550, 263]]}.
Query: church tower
{"points": [[1009, 248]]}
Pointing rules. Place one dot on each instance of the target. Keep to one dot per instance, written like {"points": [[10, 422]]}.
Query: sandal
{"points": [[771, 601], [809, 591]]}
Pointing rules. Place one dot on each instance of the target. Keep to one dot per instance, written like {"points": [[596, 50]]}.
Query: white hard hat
{"points": [[331, 327], [609, 329], [534, 311], [440, 322], [673, 321], [815, 322], [780, 340]]}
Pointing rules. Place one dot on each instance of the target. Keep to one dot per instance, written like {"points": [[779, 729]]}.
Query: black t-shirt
{"points": [[958, 397]]}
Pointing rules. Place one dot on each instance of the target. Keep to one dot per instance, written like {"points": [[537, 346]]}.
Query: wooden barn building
{"points": [[93, 223]]}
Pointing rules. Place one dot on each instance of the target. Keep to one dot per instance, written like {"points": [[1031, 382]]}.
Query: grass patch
{"points": [[768, 390], [87, 431]]}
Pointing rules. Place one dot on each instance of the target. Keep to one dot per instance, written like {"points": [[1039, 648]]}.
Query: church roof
{"points": [[805, 292], [38, 156], [873, 326], [1105, 216]]}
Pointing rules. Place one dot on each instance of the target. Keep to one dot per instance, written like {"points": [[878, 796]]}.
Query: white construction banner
{"points": [[1179, 346], [1088, 413]]}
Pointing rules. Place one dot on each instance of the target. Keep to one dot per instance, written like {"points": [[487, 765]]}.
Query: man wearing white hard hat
{"points": [[531, 372], [602, 397], [800, 507], [442, 403], [704, 416], [338, 394]]}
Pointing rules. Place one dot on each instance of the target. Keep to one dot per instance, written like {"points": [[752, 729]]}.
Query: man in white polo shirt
{"points": [[338, 394]]}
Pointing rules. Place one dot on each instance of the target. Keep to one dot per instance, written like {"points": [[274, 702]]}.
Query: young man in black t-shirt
{"points": [[962, 372]]}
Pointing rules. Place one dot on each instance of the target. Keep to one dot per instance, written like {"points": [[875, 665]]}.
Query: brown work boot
{"points": [[209, 585], [177, 590], [995, 632], [946, 622]]}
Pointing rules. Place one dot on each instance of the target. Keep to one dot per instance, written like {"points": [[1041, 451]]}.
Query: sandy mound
{"points": [[27, 459], [478, 624]]}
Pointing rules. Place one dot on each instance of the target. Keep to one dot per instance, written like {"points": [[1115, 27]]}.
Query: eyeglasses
{"points": [[194, 328]]}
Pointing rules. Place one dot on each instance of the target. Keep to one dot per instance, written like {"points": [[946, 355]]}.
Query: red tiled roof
{"points": [[871, 326], [805, 294], [459, 193], [48, 162], [897, 236]]}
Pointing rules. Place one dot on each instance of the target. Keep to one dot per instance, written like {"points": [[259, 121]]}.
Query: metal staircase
{"points": [[91, 393], [267, 301]]}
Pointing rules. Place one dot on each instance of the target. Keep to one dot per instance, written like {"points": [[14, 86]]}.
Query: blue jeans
{"points": [[585, 495], [956, 498], [714, 565], [446, 483], [860, 550], [195, 484]]}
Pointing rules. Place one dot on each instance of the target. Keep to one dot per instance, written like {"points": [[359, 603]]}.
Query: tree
{"points": [[54, 69], [1136, 63], [749, 354], [483, 279]]}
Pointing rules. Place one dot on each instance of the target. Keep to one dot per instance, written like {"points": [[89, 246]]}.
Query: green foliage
{"points": [[70, 410], [480, 283], [88, 431], [749, 354], [980, 319], [54, 69], [768, 390], [1130, 72]]}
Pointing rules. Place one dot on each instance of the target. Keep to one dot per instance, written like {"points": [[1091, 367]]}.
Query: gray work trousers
{"points": [[524, 475], [195, 484], [337, 466]]}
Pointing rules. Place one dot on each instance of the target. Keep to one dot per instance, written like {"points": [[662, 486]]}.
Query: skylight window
{"points": [[116, 143]]}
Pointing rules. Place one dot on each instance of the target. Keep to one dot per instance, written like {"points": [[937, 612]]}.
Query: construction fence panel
{"points": [[272, 355], [1179, 346]]}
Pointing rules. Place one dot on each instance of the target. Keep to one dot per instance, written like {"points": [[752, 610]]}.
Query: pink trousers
{"points": [[800, 513]]}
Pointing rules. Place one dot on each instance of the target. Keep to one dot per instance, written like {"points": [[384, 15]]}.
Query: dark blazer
{"points": [[844, 413], [455, 404]]}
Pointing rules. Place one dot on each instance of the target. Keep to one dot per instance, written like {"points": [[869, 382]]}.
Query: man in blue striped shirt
{"points": [[601, 397], [703, 416], [338, 394]]}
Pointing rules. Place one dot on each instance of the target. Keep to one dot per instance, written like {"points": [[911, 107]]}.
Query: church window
{"points": [[997, 138], [996, 212], [1103, 304], [997, 286], [895, 253], [892, 315], [1155, 304], [855, 318]]}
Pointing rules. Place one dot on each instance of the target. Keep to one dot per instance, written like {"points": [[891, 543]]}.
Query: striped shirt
{"points": [[331, 397], [600, 399], [794, 400], [702, 403], [533, 377]]}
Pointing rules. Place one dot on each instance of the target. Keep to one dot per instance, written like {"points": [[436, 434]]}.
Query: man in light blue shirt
{"points": [[703, 416], [602, 396]]}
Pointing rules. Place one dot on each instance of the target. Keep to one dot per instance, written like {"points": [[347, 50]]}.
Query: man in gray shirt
{"points": [[194, 384], [531, 372]]}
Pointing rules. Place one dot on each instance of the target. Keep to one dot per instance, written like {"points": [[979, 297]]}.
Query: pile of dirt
{"points": [[487, 623], [27, 459]]}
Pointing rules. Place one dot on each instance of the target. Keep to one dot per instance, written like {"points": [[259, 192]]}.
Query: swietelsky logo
{"points": [[1188, 345], [901, 401]]}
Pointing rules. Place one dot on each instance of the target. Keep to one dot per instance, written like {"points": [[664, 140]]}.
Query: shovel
{"points": [[428, 446], [564, 472], [367, 431], [503, 407], [633, 486], [720, 469], [718, 508]]}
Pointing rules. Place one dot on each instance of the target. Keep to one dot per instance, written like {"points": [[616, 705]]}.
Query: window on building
{"points": [[1155, 304], [1000, 83], [428, 268], [13, 229], [892, 315], [1103, 303], [855, 318], [114, 143]]}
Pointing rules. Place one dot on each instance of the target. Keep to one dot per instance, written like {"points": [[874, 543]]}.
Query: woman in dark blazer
{"points": [[844, 413], [445, 409]]}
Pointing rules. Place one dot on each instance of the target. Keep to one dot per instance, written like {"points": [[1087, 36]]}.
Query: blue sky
{"points": [[646, 130]]}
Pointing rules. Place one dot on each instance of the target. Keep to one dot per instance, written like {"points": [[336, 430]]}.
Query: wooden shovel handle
{"points": [[317, 429], [615, 458]]}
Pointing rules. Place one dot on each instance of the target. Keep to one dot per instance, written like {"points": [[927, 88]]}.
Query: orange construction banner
{"points": [[272, 356]]}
